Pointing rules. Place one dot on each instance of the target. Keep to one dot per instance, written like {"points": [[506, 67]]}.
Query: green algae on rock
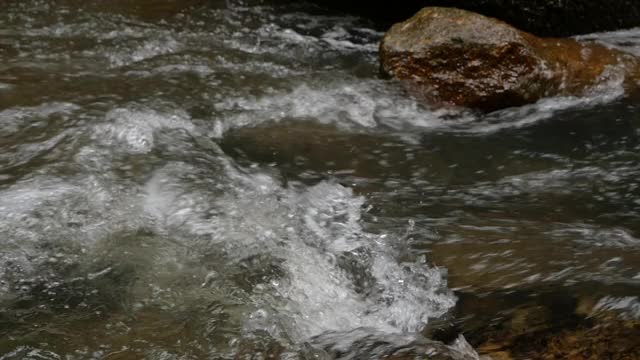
{"points": [[455, 57]]}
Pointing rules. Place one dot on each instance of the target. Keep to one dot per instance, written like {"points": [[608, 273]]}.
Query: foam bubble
{"points": [[135, 128]]}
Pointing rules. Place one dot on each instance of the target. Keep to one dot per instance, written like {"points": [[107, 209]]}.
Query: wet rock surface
{"points": [[552, 324], [541, 17], [609, 338], [454, 57]]}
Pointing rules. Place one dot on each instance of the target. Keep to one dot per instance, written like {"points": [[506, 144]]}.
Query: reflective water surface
{"points": [[233, 179]]}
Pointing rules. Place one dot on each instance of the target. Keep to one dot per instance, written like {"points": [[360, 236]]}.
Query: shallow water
{"points": [[233, 179]]}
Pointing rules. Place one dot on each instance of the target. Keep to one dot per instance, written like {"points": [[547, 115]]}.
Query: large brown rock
{"points": [[456, 57]]}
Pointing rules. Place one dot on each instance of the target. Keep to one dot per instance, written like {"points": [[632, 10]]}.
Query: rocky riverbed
{"points": [[235, 180]]}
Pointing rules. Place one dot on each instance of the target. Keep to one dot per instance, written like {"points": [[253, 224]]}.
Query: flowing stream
{"points": [[234, 180]]}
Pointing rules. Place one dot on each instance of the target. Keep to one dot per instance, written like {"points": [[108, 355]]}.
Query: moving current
{"points": [[232, 179]]}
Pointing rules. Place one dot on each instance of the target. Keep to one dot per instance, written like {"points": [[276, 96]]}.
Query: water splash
{"points": [[624, 40], [336, 276]]}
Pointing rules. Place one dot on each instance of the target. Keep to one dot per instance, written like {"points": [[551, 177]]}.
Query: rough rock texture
{"points": [[577, 322], [601, 340], [541, 17], [456, 57], [605, 335]]}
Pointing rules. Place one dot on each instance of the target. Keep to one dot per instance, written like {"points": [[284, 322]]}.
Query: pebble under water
{"points": [[234, 180]]}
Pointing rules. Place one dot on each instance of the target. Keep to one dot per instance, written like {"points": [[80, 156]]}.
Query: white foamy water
{"points": [[299, 51], [375, 105], [595, 236], [17, 118], [145, 50], [546, 108], [131, 228], [628, 307], [360, 104], [51, 224], [212, 221], [625, 40], [307, 232], [134, 129]]}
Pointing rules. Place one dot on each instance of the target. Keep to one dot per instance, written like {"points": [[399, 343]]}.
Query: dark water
{"points": [[232, 179]]}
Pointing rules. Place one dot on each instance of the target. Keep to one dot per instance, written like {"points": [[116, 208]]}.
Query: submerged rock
{"points": [[460, 58], [555, 322], [592, 339]]}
